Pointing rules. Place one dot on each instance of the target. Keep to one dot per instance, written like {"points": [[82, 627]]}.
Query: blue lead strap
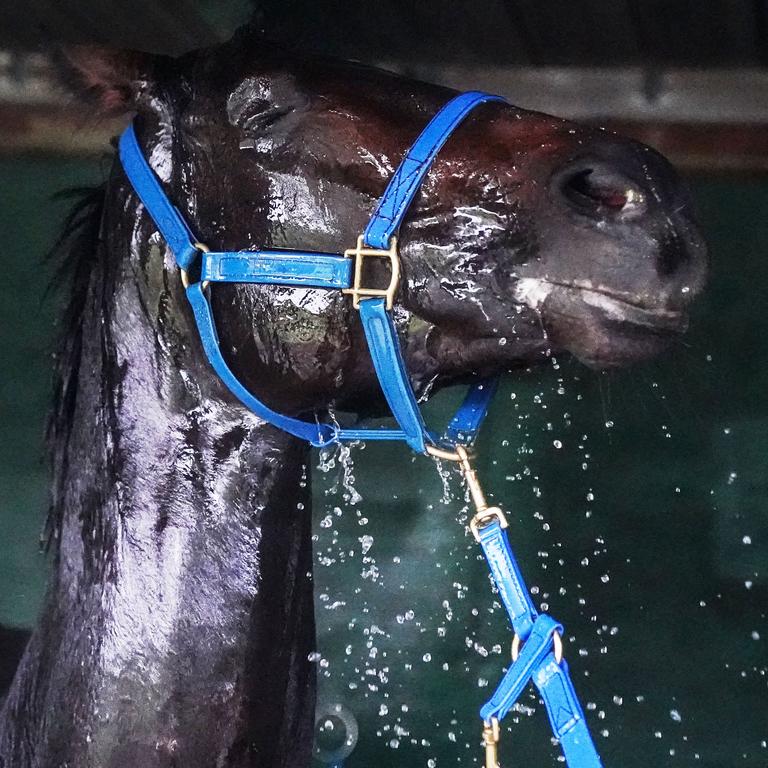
{"points": [[536, 661], [536, 650], [565, 714], [509, 581]]}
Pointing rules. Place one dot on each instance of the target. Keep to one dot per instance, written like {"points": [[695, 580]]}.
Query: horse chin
{"points": [[604, 330]]}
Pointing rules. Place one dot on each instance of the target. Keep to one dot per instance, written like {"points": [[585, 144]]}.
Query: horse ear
{"points": [[113, 78]]}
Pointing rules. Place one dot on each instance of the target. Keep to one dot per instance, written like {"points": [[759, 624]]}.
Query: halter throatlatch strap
{"points": [[537, 644]]}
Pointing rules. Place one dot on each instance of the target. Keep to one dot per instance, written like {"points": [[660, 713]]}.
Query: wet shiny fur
{"points": [[179, 617]]}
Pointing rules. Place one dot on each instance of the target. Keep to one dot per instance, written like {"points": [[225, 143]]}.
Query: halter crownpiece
{"points": [[537, 654]]}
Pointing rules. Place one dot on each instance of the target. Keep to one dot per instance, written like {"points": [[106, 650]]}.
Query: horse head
{"points": [[532, 235]]}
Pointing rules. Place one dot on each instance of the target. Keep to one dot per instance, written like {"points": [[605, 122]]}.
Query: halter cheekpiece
{"points": [[537, 644]]}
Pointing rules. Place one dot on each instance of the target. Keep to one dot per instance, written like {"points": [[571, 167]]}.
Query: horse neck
{"points": [[179, 617]]}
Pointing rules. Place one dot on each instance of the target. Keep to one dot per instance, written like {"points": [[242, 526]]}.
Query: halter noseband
{"points": [[540, 658]]}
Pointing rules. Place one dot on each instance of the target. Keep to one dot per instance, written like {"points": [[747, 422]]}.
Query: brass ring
{"points": [[203, 248], [440, 453], [557, 642]]}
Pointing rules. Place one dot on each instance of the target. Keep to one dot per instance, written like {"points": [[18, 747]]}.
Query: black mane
{"points": [[73, 256]]}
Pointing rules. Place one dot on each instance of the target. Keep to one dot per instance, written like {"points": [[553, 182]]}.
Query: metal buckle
{"points": [[483, 518], [483, 513], [491, 736], [359, 253], [201, 248]]}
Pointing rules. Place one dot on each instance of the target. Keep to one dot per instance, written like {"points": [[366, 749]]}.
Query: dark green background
{"points": [[645, 533]]}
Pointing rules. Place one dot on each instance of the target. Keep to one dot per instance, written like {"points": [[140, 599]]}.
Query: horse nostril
{"points": [[598, 192]]}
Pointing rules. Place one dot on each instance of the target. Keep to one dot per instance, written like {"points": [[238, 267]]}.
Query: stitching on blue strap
{"points": [[310, 270], [403, 186], [508, 579]]}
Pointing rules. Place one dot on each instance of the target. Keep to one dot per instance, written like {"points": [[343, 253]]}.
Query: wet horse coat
{"points": [[178, 622]]}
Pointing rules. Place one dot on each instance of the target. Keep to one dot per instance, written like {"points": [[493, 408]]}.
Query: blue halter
{"points": [[539, 660], [324, 270]]}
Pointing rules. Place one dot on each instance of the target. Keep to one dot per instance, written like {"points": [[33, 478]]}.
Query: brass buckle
{"points": [[491, 735], [483, 513], [359, 253], [484, 517]]}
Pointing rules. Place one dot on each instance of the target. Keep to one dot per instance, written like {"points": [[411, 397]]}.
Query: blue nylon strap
{"points": [[379, 329], [316, 434], [536, 661], [413, 168], [388, 362], [466, 423], [535, 650], [565, 714], [147, 186], [509, 581], [312, 270]]}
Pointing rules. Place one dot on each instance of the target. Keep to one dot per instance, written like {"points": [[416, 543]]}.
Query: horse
{"points": [[178, 624]]}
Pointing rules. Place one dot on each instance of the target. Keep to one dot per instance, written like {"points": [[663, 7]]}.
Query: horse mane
{"points": [[73, 256]]}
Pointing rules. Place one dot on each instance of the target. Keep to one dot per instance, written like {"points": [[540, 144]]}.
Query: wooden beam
{"points": [[623, 93], [708, 120]]}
